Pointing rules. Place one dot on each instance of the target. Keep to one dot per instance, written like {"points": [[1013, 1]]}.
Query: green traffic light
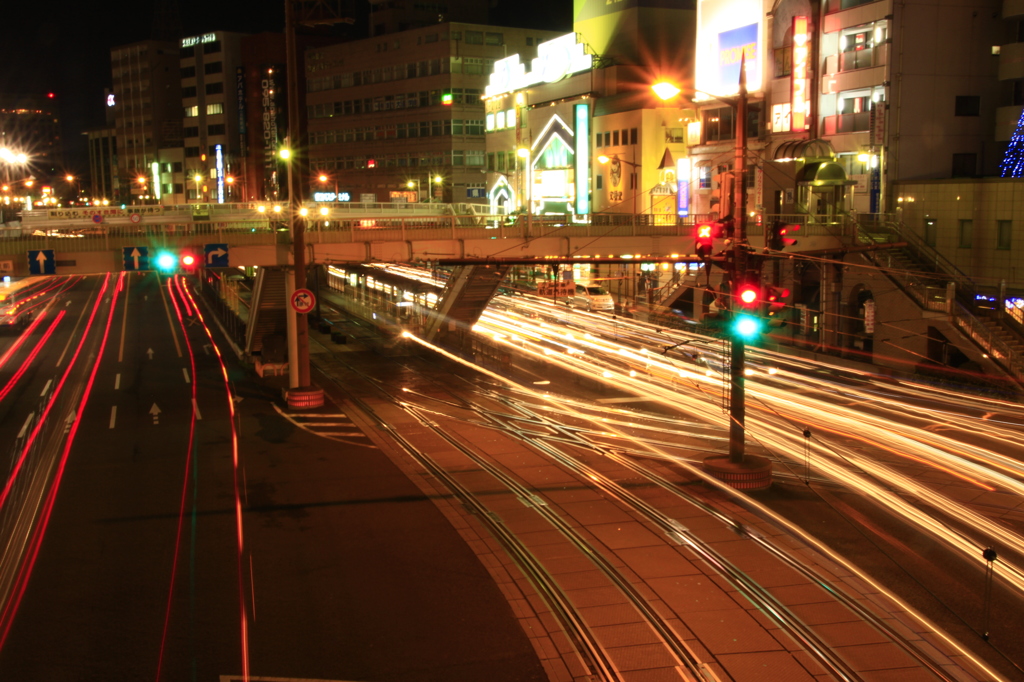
{"points": [[166, 261], [747, 326]]}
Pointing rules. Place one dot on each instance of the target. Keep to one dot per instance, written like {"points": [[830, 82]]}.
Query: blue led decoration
{"points": [[1012, 165]]}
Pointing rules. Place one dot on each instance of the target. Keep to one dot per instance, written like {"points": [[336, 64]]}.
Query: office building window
{"points": [[191, 131], [213, 67], [214, 88], [211, 48], [188, 72], [191, 111], [632, 135], [968, 105], [931, 231], [965, 165], [216, 129], [215, 108], [615, 138], [597, 139], [1004, 234], [190, 91], [191, 152], [966, 234]]}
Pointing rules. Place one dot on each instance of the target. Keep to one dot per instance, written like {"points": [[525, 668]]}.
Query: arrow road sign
{"points": [[42, 262], [136, 257], [216, 255]]}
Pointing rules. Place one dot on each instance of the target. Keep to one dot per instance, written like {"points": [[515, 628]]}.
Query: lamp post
{"points": [[198, 178], [414, 183], [74, 188], [438, 183]]}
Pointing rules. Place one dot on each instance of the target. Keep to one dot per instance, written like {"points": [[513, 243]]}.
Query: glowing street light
{"points": [[665, 90]]}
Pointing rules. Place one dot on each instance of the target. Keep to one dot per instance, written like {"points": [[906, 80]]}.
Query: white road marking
{"points": [[46, 388], [117, 381], [185, 372], [113, 415], [195, 408], [24, 428]]}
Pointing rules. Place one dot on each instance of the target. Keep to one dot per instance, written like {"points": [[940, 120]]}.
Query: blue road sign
{"points": [[216, 255], [42, 262], [136, 257]]}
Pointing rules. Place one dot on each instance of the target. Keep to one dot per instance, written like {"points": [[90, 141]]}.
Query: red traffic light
{"points": [[188, 259], [705, 233], [748, 295]]}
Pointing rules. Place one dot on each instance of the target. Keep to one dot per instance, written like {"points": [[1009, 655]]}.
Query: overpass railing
{"points": [[72, 231]]}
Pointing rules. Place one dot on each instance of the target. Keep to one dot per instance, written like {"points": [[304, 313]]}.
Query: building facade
{"points": [[146, 102], [400, 117]]}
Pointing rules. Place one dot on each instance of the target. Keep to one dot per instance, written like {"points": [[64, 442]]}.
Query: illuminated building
{"points": [[389, 116], [31, 124], [146, 104]]}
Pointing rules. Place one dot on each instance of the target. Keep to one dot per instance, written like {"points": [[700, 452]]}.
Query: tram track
{"points": [[753, 592]]}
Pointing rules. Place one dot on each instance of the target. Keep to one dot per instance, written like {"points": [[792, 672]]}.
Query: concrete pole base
{"points": [[753, 473], [304, 398]]}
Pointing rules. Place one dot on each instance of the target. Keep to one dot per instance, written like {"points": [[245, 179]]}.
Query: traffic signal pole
{"points": [[737, 364], [738, 470]]}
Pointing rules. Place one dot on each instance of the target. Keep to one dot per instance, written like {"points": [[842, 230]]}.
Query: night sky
{"points": [[63, 47]]}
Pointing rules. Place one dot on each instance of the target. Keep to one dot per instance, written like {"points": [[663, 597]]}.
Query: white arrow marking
{"points": [[155, 411], [215, 253], [185, 372], [24, 429], [135, 255], [69, 421], [117, 382], [113, 415], [195, 408], [67, 304], [150, 353], [46, 388]]}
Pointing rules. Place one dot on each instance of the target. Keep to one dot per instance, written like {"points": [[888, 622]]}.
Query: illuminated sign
{"points": [[555, 60], [199, 40], [728, 32], [801, 105], [218, 151], [331, 196], [110, 100], [155, 169], [683, 188], [582, 171], [781, 117]]}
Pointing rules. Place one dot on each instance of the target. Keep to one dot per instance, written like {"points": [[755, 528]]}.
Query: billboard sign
{"points": [[728, 32], [555, 60]]}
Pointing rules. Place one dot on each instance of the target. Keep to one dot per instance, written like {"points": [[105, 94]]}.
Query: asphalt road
{"points": [[161, 559]]}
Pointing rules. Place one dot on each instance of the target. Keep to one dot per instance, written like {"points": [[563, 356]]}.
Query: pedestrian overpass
{"points": [[85, 240]]}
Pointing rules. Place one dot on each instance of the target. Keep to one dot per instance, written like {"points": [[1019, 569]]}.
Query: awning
{"points": [[804, 150], [823, 174]]}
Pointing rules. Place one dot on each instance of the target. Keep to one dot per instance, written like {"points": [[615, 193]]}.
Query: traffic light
{"points": [[747, 326], [189, 261], [748, 296], [774, 304], [777, 239], [726, 227], [704, 234], [446, 99], [166, 261]]}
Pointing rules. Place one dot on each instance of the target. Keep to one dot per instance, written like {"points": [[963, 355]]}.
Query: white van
{"points": [[591, 297]]}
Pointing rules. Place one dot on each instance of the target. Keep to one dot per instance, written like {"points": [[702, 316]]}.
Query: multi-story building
{"points": [[211, 127], [102, 143], [147, 113], [400, 116]]}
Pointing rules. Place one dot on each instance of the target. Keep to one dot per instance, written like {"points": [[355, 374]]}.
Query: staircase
{"points": [[266, 333], [936, 284], [467, 294]]}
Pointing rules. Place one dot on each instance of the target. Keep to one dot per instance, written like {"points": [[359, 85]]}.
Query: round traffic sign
{"points": [[97, 218], [303, 300], [135, 217]]}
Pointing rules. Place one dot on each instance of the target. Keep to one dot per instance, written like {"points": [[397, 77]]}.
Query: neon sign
{"points": [[218, 151], [582, 154], [199, 40], [800, 54], [555, 60]]}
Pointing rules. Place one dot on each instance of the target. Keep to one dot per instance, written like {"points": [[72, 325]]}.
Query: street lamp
{"points": [[439, 186], [198, 178], [415, 182]]}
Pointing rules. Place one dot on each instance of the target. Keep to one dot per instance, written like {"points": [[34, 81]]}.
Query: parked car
{"points": [[591, 297]]}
